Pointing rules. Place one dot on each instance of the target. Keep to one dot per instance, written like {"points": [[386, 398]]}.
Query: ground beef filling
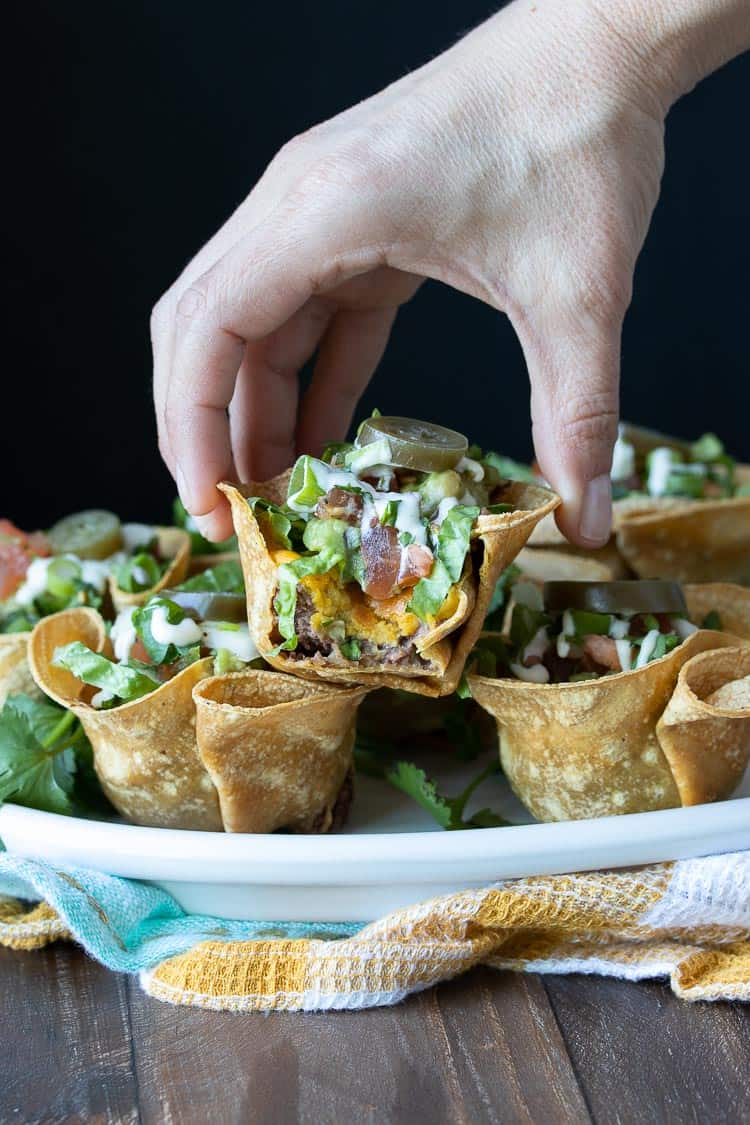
{"points": [[310, 643]]}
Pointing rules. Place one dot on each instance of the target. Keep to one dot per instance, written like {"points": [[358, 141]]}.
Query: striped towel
{"points": [[688, 921]]}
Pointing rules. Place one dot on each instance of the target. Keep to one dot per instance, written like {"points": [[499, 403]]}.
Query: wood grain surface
{"points": [[81, 1044]]}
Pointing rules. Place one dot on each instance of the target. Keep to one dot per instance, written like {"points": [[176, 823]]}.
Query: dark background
{"points": [[132, 129]]}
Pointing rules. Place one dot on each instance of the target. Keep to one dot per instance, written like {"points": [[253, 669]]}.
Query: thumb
{"points": [[574, 370]]}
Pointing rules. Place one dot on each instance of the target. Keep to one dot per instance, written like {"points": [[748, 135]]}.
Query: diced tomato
{"points": [[17, 549], [140, 652]]}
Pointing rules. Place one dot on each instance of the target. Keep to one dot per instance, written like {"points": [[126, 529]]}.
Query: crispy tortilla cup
{"points": [[15, 674], [671, 537], [172, 543], [145, 753], [278, 750], [571, 564], [691, 541], [629, 742], [730, 601], [496, 540]]}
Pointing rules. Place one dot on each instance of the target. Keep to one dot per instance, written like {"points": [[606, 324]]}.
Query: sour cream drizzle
{"points": [[186, 632]]}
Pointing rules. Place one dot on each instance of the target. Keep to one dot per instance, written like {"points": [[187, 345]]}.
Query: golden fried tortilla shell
{"points": [[691, 541], [730, 601], [15, 674], [172, 543], [278, 749], [496, 540], [707, 743], [588, 749], [145, 753], [569, 564]]}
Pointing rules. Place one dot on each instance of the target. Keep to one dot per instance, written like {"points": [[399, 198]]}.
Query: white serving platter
{"points": [[390, 855]]}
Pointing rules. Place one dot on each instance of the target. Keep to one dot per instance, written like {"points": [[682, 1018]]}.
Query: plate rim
{"points": [[373, 858]]}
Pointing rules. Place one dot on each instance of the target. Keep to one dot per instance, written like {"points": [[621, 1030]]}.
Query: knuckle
{"points": [[194, 303], [587, 422]]}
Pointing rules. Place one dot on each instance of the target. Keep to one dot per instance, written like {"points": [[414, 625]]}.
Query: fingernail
{"points": [[204, 524], [182, 486], [596, 510]]}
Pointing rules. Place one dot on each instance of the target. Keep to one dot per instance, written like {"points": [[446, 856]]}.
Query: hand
{"points": [[522, 166]]}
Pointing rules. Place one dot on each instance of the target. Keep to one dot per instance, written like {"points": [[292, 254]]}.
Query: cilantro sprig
{"points": [[46, 760]]}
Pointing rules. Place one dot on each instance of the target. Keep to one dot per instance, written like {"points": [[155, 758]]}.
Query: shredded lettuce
{"points": [[452, 547], [274, 519], [158, 652], [509, 469], [121, 680], [127, 579], [224, 578], [304, 490]]}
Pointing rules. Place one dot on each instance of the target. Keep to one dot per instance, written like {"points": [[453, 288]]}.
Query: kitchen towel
{"points": [[688, 921]]}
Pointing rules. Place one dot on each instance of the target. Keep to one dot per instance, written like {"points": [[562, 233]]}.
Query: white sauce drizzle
{"points": [[537, 674], [123, 634], [623, 459], [136, 535], [660, 467], [624, 654], [186, 632], [237, 641], [473, 468], [648, 645], [682, 627], [618, 629]]}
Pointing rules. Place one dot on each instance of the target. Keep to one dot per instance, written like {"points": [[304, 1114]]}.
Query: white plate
{"points": [[390, 856]]}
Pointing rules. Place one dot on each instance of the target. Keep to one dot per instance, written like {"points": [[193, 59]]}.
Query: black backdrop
{"points": [[132, 129]]}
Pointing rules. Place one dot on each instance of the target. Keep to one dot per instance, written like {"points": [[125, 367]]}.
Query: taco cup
{"points": [[278, 750], [171, 547], [610, 741], [400, 616], [681, 510], [15, 674], [145, 751], [551, 564]]}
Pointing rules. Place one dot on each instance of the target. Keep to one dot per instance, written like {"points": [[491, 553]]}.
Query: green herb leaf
{"points": [[447, 811], [706, 449], [45, 759], [390, 514], [350, 649], [712, 620]]}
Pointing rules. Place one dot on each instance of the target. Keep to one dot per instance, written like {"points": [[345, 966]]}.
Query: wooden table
{"points": [[80, 1044]]}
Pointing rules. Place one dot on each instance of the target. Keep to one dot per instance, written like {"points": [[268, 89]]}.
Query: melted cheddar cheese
{"points": [[383, 623]]}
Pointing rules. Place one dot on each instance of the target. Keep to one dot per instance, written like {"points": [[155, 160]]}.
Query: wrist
{"points": [[677, 44]]}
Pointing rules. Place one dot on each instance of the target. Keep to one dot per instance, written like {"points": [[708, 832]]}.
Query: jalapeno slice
{"points": [[421, 446], [644, 596], [94, 534], [204, 605]]}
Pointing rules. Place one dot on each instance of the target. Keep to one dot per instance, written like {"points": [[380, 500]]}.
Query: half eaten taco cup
{"points": [[172, 544], [399, 650], [278, 750]]}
